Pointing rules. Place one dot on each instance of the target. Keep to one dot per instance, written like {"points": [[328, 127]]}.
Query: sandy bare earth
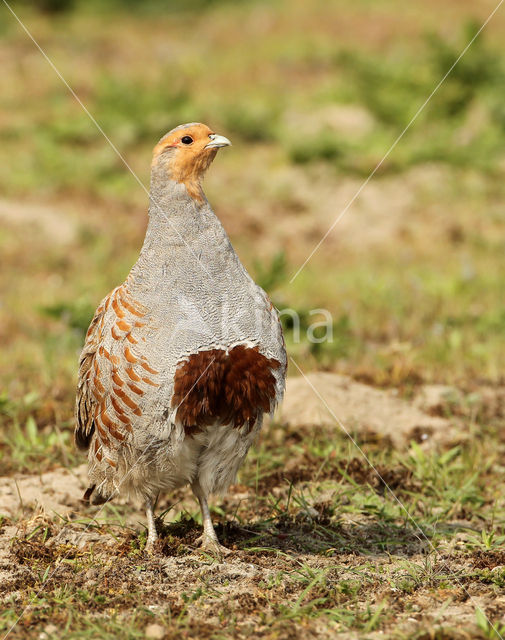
{"points": [[337, 402]]}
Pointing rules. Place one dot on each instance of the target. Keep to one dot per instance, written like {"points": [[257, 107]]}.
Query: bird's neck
{"points": [[181, 232], [175, 217]]}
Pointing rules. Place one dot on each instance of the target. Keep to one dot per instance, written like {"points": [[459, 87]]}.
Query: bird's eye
{"points": [[186, 140]]}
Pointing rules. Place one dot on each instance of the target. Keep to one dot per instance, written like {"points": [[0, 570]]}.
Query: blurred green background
{"points": [[312, 95]]}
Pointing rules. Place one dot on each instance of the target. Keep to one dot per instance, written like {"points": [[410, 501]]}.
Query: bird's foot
{"points": [[212, 546], [149, 548]]}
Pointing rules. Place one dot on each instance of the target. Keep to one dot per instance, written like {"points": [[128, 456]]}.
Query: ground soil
{"points": [[260, 586]]}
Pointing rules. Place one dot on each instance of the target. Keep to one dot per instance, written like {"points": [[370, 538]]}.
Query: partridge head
{"points": [[184, 154]]}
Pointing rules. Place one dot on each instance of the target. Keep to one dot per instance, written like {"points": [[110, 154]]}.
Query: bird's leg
{"points": [[152, 536], [208, 540]]}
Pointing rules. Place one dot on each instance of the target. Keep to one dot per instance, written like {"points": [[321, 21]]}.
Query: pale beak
{"points": [[217, 141]]}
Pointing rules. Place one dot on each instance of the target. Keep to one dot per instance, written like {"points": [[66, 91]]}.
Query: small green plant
{"points": [[480, 68], [269, 276], [75, 314], [324, 147], [31, 446], [487, 540], [492, 631], [253, 121]]}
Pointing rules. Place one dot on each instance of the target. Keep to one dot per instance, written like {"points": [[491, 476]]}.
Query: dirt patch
{"points": [[488, 559], [387, 211], [307, 468], [336, 402], [55, 224], [346, 120], [301, 564], [58, 492], [270, 590]]}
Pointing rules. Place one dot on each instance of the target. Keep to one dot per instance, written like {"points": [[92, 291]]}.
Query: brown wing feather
{"points": [[113, 376], [86, 401]]}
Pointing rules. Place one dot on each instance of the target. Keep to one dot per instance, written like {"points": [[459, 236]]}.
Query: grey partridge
{"points": [[182, 360]]}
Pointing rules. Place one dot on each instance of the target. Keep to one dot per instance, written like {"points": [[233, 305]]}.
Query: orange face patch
{"points": [[190, 158]]}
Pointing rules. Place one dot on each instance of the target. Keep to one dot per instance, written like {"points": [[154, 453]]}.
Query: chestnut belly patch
{"points": [[232, 387]]}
